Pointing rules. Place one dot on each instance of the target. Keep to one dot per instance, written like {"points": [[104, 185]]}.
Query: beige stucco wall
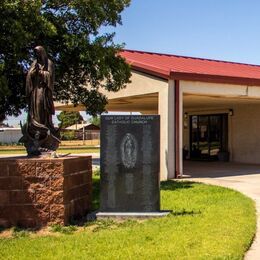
{"points": [[245, 134], [166, 111], [205, 88], [141, 84]]}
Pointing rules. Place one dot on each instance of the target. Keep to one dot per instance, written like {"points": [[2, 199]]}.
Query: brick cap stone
{"points": [[39, 159]]}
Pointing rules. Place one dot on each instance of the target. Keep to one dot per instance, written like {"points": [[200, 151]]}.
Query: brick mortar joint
{"points": [[78, 186], [79, 198]]}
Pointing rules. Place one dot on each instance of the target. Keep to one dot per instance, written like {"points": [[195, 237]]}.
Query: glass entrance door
{"points": [[208, 136]]}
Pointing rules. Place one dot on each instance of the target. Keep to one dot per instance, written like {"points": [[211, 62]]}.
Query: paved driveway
{"points": [[242, 177]]}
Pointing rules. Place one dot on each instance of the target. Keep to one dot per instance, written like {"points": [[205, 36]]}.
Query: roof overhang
{"points": [[214, 78], [164, 74], [161, 73]]}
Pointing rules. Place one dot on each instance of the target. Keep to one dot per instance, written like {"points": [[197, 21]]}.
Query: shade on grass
{"points": [[207, 222]]}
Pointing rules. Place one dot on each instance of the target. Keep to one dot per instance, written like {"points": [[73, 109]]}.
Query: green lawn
{"points": [[61, 150], [207, 222]]}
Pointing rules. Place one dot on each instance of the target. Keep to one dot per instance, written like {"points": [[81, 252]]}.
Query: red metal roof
{"points": [[189, 68]]}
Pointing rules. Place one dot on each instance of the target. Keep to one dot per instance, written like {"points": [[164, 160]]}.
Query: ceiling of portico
{"points": [[139, 103], [142, 103]]}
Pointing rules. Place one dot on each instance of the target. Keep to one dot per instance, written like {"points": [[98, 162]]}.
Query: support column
{"points": [[178, 120], [166, 111], [181, 131]]}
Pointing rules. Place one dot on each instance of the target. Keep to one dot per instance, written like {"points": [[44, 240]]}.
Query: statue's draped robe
{"points": [[39, 89]]}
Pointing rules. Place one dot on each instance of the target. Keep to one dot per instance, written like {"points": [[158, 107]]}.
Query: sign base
{"points": [[120, 215]]}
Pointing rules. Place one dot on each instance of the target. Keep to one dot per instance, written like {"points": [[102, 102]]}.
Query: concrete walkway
{"points": [[242, 177]]}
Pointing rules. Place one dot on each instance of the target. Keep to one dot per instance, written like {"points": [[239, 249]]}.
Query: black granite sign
{"points": [[130, 163]]}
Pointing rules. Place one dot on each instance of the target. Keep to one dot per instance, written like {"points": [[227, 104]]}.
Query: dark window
{"points": [[208, 136]]}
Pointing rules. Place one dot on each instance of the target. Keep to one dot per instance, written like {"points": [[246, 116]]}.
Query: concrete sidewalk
{"points": [[242, 177]]}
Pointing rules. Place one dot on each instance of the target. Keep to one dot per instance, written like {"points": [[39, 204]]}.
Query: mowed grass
{"points": [[207, 222], [62, 150]]}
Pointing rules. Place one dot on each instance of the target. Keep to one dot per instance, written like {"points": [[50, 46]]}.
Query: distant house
{"points": [[10, 135], [91, 131]]}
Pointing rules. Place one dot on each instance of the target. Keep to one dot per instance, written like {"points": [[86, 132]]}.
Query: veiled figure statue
{"points": [[39, 89], [39, 134]]}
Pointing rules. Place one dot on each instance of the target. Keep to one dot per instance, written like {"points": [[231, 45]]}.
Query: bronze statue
{"points": [[39, 134]]}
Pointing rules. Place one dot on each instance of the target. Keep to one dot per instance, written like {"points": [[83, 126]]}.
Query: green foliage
{"points": [[95, 120], [95, 191], [63, 229], [68, 118], [96, 172], [2, 229], [106, 224], [71, 33], [19, 233], [68, 135]]}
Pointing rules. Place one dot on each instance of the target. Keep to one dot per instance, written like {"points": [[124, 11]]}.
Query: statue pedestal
{"points": [[35, 192]]}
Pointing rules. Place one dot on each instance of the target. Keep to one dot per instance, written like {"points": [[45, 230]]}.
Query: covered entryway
{"points": [[220, 123]]}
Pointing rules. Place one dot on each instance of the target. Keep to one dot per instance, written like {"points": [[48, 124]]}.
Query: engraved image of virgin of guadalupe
{"points": [[39, 134], [129, 151]]}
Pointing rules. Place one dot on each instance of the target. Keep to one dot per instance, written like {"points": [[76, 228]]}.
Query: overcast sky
{"points": [[217, 29]]}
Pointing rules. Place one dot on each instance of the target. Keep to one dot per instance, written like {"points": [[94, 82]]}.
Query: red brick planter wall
{"points": [[37, 192]]}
